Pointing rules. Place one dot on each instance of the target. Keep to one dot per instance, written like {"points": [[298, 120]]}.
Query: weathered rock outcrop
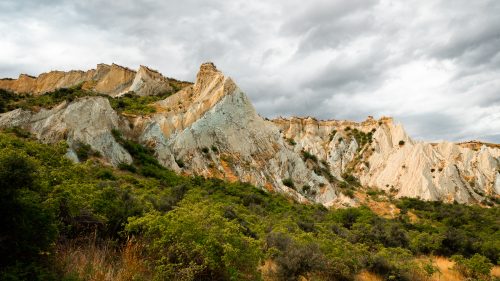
{"points": [[214, 130], [106, 79], [390, 160], [88, 121], [210, 128]]}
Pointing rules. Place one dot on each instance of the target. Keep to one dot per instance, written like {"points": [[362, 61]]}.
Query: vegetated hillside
{"points": [[210, 128], [90, 221]]}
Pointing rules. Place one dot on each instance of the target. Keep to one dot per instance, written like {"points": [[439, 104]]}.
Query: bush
{"points": [[195, 242], [28, 227], [179, 163], [306, 156], [204, 229], [401, 143], [18, 131], [396, 264], [350, 179], [133, 104], [127, 167], [348, 192], [425, 243], [477, 267], [289, 182], [293, 259], [84, 151]]}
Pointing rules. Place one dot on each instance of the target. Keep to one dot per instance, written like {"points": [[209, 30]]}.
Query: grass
{"points": [[91, 260]]}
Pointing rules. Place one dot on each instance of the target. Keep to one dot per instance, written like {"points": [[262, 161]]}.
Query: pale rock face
{"points": [[497, 183], [214, 129], [148, 82], [87, 120], [444, 171], [210, 128]]}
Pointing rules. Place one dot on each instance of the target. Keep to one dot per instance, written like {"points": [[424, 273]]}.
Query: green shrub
{"points": [[133, 104], [127, 167], [350, 179], [401, 143], [289, 182], [18, 131], [201, 229], [348, 192], [396, 264], [180, 163], [47, 100], [28, 226], [293, 259], [306, 156], [196, 242], [84, 151], [332, 134], [477, 267]]}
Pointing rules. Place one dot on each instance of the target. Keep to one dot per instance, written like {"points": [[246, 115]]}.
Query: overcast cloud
{"points": [[433, 65]]}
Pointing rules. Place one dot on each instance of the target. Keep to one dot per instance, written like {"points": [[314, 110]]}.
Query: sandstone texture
{"points": [[210, 128], [392, 161], [113, 80]]}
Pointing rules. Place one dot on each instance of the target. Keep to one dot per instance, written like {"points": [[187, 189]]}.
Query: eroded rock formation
{"points": [[210, 128], [106, 79]]}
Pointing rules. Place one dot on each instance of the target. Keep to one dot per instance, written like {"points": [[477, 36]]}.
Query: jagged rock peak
{"points": [[207, 77], [113, 80]]}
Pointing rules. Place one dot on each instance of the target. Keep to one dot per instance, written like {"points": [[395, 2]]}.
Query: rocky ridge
{"points": [[210, 128], [113, 80], [381, 155]]}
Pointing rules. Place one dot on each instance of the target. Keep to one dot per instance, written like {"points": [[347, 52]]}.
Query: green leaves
{"points": [[196, 242], [205, 229], [477, 267]]}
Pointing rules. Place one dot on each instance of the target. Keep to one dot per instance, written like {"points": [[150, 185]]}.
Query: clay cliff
{"points": [[113, 80], [210, 128], [381, 155]]}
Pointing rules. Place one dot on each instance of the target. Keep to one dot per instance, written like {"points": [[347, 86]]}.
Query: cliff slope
{"points": [[210, 128], [106, 79], [383, 156]]}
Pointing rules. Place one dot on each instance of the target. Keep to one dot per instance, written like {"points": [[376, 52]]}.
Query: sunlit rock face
{"points": [[213, 128], [210, 128], [392, 161], [106, 79]]}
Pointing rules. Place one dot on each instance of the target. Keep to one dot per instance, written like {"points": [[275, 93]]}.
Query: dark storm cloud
{"points": [[434, 65]]}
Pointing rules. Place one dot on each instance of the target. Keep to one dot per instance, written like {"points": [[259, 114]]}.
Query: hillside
{"points": [[115, 174], [89, 221], [210, 128]]}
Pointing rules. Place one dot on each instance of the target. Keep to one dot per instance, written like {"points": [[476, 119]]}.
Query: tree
{"points": [[28, 228]]}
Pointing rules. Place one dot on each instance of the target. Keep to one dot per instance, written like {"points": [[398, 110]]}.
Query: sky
{"points": [[433, 65]]}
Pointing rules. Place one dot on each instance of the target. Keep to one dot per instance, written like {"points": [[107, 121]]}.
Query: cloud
{"points": [[433, 65]]}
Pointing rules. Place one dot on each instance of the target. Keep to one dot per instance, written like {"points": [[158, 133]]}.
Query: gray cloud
{"points": [[433, 65]]}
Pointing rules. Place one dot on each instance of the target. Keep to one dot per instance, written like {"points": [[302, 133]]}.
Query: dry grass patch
{"points": [[88, 260], [368, 276]]}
